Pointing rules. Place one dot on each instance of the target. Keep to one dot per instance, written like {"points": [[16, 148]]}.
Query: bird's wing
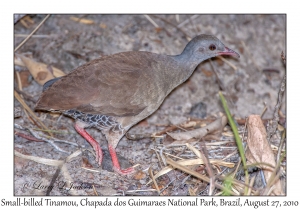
{"points": [[111, 85]]}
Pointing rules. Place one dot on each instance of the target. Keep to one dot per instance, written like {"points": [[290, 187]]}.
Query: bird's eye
{"points": [[212, 47]]}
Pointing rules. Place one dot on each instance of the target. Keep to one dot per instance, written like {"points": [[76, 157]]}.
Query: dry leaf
{"points": [[24, 75], [259, 150], [40, 71]]}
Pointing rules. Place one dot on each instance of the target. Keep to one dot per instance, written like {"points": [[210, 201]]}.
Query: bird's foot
{"points": [[124, 172], [116, 165]]}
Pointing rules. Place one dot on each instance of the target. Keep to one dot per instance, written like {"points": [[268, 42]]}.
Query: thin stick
{"points": [[153, 179], [250, 55], [272, 125], [152, 21], [28, 37], [33, 36], [187, 20], [22, 102], [185, 34], [228, 62]]}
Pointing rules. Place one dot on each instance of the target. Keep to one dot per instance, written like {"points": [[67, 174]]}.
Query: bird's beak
{"points": [[228, 51]]}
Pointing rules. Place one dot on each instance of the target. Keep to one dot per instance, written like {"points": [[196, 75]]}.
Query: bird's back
{"points": [[122, 84]]}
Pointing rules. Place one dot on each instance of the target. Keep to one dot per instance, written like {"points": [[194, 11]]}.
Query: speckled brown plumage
{"points": [[124, 88]]}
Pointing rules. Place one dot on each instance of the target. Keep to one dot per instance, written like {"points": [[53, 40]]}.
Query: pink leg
{"points": [[91, 140], [116, 165]]}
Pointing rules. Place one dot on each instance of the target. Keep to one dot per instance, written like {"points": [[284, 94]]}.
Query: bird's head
{"points": [[205, 46]]}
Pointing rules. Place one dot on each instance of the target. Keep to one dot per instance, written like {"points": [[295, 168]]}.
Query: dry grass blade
{"points": [[73, 155], [191, 162], [28, 37], [194, 150], [18, 97], [217, 143], [228, 62], [82, 20], [66, 175], [95, 191], [92, 170], [191, 192], [202, 155], [152, 21], [195, 174], [44, 161], [153, 179], [251, 184]]}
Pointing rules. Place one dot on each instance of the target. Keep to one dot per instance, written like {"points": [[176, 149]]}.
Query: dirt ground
{"points": [[249, 83]]}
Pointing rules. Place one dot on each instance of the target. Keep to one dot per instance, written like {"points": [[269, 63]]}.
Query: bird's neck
{"points": [[187, 61], [186, 67]]}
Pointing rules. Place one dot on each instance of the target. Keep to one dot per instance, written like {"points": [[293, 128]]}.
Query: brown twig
{"points": [[188, 38], [51, 140], [25, 95], [54, 177], [25, 136], [273, 124], [19, 98], [208, 168], [250, 55], [153, 179]]}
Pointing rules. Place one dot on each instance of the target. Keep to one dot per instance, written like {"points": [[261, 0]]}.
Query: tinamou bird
{"points": [[113, 93]]}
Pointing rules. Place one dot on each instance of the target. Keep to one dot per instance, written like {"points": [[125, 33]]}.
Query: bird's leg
{"points": [[115, 161], [79, 126], [113, 136]]}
